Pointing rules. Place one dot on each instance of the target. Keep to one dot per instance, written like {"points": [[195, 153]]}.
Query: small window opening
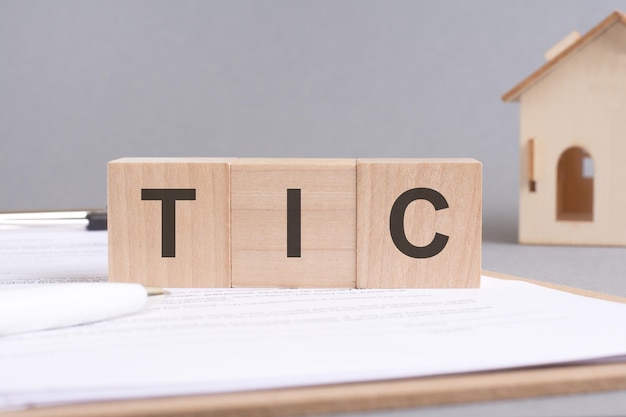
{"points": [[587, 167], [532, 181]]}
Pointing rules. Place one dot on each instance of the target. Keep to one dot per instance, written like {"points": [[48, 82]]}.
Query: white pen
{"points": [[51, 306], [91, 219]]}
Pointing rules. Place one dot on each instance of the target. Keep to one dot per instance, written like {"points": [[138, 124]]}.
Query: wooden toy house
{"points": [[573, 140]]}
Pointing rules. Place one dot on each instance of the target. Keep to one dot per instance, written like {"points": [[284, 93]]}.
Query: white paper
{"points": [[41, 255], [220, 340], [223, 340]]}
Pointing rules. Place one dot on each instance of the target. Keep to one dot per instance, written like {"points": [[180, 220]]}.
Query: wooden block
{"points": [[419, 223], [169, 221], [305, 237]]}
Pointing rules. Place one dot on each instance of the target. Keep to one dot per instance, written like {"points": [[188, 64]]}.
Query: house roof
{"points": [[515, 93]]}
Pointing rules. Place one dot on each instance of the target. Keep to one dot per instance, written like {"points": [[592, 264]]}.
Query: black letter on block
{"points": [[396, 223], [294, 226], [168, 199]]}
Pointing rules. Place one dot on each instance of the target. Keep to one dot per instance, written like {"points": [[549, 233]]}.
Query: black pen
{"points": [[91, 219]]}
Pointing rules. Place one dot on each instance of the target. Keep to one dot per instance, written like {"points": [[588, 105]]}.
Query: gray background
{"points": [[84, 82]]}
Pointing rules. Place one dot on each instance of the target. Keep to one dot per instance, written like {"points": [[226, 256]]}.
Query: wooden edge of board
{"points": [[564, 288], [367, 396]]}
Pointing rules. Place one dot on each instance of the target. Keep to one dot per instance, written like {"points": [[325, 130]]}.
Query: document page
{"points": [[52, 255], [223, 340]]}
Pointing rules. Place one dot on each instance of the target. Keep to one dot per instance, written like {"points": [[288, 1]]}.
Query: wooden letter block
{"points": [[419, 223], [169, 221], [293, 223], [371, 223]]}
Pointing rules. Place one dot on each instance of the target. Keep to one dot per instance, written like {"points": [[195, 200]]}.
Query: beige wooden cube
{"points": [[293, 223], [169, 221], [419, 223]]}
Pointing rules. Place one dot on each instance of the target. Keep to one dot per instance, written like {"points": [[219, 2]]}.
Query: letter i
{"points": [[294, 226]]}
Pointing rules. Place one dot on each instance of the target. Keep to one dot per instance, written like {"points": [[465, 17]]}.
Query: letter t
{"points": [[168, 199]]}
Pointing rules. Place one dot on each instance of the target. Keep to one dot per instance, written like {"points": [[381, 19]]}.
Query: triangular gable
{"points": [[515, 93]]}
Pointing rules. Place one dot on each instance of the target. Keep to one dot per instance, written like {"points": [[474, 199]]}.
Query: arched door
{"points": [[574, 195]]}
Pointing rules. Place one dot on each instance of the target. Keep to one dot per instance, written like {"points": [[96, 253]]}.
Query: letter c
{"points": [[396, 223]]}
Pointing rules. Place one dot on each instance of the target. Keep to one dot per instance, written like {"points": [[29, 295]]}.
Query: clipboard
{"points": [[374, 395]]}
